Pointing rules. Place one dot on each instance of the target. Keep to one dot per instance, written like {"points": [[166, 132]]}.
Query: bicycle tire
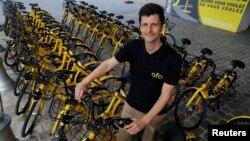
{"points": [[61, 126], [19, 85], [23, 101], [59, 134], [11, 54], [189, 117], [19, 67], [22, 83], [239, 120], [29, 122]]}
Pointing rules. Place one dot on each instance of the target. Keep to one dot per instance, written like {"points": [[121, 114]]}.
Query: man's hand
{"points": [[80, 89], [136, 126]]}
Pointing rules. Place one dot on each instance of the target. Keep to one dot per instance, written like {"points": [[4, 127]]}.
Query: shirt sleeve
{"points": [[173, 73], [125, 53]]}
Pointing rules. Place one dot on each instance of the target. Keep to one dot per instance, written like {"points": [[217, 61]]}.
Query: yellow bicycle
{"points": [[191, 106]]}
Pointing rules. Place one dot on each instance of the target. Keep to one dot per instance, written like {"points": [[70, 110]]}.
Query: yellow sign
{"points": [[224, 14]]}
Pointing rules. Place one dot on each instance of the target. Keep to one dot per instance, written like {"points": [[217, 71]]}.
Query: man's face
{"points": [[150, 28]]}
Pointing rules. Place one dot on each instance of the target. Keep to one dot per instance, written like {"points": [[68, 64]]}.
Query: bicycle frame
{"points": [[194, 100], [202, 90]]}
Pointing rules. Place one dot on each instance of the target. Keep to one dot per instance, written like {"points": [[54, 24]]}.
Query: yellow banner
{"points": [[224, 14]]}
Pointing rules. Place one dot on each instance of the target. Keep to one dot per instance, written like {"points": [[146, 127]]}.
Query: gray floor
{"points": [[225, 45]]}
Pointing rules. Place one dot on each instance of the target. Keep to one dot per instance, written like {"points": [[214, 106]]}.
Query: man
{"points": [[155, 69]]}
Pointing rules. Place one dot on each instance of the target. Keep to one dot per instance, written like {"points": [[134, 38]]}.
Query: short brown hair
{"points": [[151, 9]]}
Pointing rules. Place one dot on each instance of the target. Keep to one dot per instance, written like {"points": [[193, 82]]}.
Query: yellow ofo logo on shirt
{"points": [[156, 75]]}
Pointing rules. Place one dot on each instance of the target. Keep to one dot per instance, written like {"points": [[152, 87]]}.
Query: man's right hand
{"points": [[80, 89]]}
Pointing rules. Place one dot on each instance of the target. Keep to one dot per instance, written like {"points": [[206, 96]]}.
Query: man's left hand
{"points": [[136, 126]]}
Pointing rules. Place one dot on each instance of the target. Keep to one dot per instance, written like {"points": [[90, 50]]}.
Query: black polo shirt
{"points": [[149, 72]]}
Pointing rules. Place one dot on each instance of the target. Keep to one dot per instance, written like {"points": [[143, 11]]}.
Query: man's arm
{"points": [[166, 94], [139, 124], [102, 69]]}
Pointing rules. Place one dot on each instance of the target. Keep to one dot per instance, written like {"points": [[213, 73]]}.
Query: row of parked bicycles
{"points": [[49, 62], [51, 57]]}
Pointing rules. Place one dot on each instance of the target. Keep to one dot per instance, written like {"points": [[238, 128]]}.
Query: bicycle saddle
{"points": [[129, 2], [238, 64], [206, 51], [131, 22], [111, 14], [33, 4], [170, 131], [119, 17], [103, 12], [83, 3], [186, 41]]}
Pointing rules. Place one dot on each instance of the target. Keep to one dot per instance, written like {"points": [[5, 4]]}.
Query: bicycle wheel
{"points": [[190, 116], [239, 120], [11, 54], [66, 126], [21, 84], [33, 114], [24, 96], [22, 102], [19, 67], [60, 134]]}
